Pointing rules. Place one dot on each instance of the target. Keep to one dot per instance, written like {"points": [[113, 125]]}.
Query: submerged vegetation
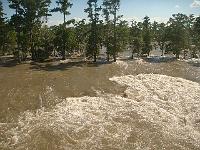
{"points": [[26, 33]]}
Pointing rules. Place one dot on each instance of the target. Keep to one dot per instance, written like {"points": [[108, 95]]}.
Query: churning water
{"points": [[121, 106]]}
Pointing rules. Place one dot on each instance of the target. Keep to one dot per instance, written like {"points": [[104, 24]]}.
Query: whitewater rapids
{"points": [[155, 112]]}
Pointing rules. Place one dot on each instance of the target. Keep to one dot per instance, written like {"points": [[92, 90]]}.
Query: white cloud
{"points": [[160, 19], [195, 4], [52, 22], [129, 19], [177, 6]]}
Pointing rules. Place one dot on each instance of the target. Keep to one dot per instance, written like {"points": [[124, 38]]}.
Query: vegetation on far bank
{"points": [[26, 33]]}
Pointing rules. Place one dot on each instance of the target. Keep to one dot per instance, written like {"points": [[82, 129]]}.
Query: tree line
{"points": [[26, 32]]}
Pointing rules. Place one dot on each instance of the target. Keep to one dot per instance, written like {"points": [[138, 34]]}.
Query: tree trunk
{"points": [[64, 42], [177, 55], [18, 34], [95, 57], [63, 53], [33, 54], [132, 54], [162, 52], [185, 54], [64, 18], [108, 57], [114, 57], [115, 35]]}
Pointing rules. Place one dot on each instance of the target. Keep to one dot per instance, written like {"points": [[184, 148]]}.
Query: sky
{"points": [[157, 10]]}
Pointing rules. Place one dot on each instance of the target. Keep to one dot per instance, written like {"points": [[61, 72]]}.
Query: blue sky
{"points": [[158, 10]]}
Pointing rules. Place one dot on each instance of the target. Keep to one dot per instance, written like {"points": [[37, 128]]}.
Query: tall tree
{"points": [[16, 21], [196, 37], [147, 36], [114, 8], [178, 34], [2, 28], [93, 39], [81, 29], [2, 19], [159, 35], [107, 28], [135, 38], [63, 7], [33, 12]]}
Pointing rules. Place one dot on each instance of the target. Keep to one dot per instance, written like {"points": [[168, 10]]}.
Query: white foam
{"points": [[160, 112], [65, 61], [122, 64], [172, 103], [193, 60], [140, 61]]}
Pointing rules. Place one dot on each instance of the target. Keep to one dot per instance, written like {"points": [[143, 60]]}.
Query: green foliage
{"points": [[196, 37], [2, 29], [147, 36], [25, 32], [122, 36], [113, 45], [93, 43], [63, 6], [178, 34], [81, 31], [159, 35], [135, 38]]}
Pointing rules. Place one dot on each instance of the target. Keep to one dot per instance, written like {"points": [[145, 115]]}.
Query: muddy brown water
{"points": [[28, 87]]}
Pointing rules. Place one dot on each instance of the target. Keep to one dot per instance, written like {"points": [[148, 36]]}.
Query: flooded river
{"points": [[133, 104]]}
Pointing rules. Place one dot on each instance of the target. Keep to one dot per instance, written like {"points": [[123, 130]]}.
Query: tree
{"points": [[16, 22], [122, 37], [2, 29], [2, 19], [159, 34], [178, 34], [33, 11], [135, 38], [27, 21], [44, 42], [93, 38], [63, 7], [113, 8], [196, 36], [147, 37], [81, 30], [107, 28]]}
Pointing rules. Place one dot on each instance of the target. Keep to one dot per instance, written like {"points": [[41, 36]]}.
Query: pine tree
{"points": [[81, 29], [2, 28], [107, 28], [196, 37], [33, 11], [135, 38], [16, 21], [178, 34], [159, 35], [147, 37], [63, 7], [114, 8], [93, 39]]}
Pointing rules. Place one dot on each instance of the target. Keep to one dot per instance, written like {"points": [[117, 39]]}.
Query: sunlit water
{"points": [[125, 105]]}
